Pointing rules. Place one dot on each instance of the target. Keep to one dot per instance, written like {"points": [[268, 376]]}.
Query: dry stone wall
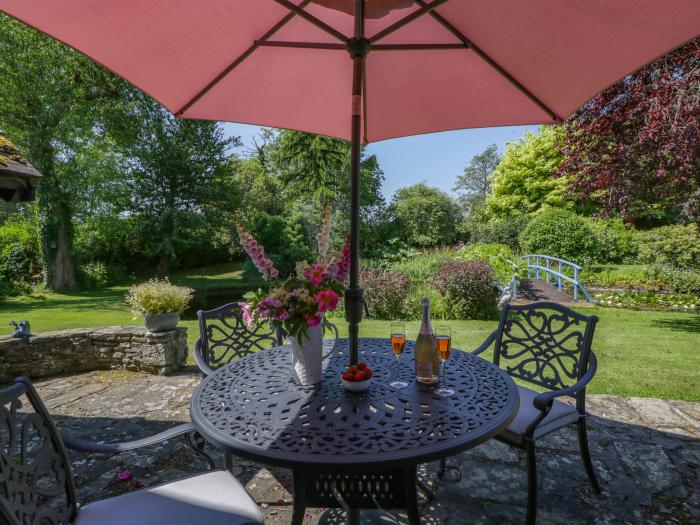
{"points": [[82, 350]]}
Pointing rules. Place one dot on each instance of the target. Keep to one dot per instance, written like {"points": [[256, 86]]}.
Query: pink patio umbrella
{"points": [[368, 70]]}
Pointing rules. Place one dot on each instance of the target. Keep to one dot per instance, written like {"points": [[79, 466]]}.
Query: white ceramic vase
{"points": [[308, 356]]}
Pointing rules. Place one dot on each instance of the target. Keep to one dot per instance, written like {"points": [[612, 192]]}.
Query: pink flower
{"points": [[256, 253], [247, 315], [339, 266], [124, 475], [281, 315], [312, 320], [327, 300], [314, 274]]}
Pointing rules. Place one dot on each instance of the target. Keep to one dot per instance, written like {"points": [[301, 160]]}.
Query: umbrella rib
{"points": [[301, 45], [299, 10], [416, 47], [233, 65], [491, 62], [424, 9]]}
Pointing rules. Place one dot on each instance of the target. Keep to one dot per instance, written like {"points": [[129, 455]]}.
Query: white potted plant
{"points": [[159, 302]]}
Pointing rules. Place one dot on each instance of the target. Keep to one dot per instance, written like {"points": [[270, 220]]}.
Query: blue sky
{"points": [[437, 159]]}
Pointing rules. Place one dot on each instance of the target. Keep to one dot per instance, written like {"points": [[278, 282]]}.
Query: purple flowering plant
{"points": [[299, 302]]}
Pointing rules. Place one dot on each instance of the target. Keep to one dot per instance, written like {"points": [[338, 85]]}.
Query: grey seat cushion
{"points": [[560, 415], [212, 498]]}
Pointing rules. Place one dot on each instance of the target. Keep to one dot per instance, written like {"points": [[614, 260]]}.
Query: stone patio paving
{"points": [[646, 452]]}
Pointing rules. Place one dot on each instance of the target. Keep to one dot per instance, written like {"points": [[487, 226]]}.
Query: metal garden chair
{"points": [[549, 346], [224, 337], [36, 481]]}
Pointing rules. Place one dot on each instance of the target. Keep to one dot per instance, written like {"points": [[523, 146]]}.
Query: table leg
{"points": [[353, 517], [299, 509], [409, 482]]}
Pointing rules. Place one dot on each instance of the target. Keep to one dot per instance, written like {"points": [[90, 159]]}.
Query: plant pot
{"points": [[307, 355], [161, 322]]}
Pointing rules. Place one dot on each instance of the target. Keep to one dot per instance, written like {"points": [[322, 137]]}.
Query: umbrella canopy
{"points": [[481, 62], [18, 178], [368, 70]]}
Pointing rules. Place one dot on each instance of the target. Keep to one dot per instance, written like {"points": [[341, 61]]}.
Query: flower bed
{"points": [[649, 301]]}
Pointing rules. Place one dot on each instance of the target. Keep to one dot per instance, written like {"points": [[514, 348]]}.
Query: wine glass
{"points": [[398, 341], [443, 337]]}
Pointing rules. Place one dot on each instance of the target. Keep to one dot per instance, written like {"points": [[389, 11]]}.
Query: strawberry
{"points": [[347, 377], [361, 366], [359, 376], [352, 370], [368, 373]]}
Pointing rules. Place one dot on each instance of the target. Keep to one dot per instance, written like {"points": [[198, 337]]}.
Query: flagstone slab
{"points": [[646, 452]]}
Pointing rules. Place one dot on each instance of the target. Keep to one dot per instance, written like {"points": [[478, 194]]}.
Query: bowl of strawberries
{"points": [[357, 378]]}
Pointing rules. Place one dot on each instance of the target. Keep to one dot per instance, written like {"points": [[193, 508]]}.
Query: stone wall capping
{"points": [[86, 349]]}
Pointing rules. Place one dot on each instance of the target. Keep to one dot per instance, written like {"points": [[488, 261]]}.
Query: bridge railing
{"points": [[558, 270]]}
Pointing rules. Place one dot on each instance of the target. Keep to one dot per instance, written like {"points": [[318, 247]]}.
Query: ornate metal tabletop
{"points": [[253, 408]]}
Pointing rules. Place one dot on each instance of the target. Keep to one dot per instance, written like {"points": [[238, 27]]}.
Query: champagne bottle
{"points": [[426, 349]]}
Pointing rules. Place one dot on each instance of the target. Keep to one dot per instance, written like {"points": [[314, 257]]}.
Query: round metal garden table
{"points": [[349, 449]]}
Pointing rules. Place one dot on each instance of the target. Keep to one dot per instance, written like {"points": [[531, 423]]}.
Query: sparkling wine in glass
{"points": [[398, 341], [443, 338]]}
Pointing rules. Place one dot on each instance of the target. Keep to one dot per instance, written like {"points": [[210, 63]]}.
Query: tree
{"points": [[174, 172], [316, 169], [312, 163], [524, 179], [426, 216], [50, 105], [474, 185], [635, 148]]}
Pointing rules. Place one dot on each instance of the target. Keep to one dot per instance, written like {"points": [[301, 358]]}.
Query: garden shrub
{"points": [[677, 246], [675, 280], [111, 239], [494, 231], [467, 288], [284, 241], [93, 275], [560, 233], [425, 217], [386, 293], [438, 305], [392, 251], [20, 258], [634, 278], [502, 259], [617, 242], [422, 267]]}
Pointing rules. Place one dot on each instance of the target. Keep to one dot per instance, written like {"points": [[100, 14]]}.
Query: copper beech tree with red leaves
{"points": [[635, 148]]}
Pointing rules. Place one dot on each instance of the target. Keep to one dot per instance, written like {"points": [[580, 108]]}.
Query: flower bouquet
{"points": [[298, 303]]}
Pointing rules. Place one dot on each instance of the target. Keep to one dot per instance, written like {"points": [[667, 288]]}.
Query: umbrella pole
{"points": [[358, 48]]}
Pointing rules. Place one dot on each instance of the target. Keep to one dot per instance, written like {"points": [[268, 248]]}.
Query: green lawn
{"points": [[646, 354]]}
